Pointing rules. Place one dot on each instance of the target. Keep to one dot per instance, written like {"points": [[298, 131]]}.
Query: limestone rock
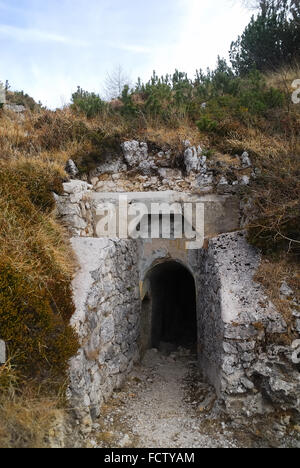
{"points": [[71, 168], [205, 180], [192, 159], [286, 291], [18, 109], [169, 173], [134, 152], [255, 405], [2, 352], [246, 162], [280, 381], [223, 181], [111, 162], [76, 186], [147, 166], [245, 180]]}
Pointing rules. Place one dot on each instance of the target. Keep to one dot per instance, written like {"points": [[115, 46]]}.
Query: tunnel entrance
{"points": [[169, 310]]}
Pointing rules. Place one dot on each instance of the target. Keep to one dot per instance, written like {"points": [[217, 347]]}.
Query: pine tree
{"points": [[272, 39]]}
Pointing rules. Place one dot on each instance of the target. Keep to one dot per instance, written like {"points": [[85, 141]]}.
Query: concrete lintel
{"points": [[155, 197]]}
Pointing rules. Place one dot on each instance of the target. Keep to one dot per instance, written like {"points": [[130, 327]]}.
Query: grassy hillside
{"points": [[36, 268], [226, 114]]}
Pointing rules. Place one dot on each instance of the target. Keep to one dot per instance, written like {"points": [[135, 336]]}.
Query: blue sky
{"points": [[50, 47]]}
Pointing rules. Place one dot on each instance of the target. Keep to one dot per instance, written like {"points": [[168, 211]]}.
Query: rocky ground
{"points": [[165, 404]]}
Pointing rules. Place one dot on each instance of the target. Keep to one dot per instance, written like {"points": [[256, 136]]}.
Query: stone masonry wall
{"points": [[237, 328], [209, 315], [235, 318], [237, 323], [106, 296]]}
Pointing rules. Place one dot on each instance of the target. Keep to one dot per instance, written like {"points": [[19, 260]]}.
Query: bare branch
{"points": [[115, 82]]}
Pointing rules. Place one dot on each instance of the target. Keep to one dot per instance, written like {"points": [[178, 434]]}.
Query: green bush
{"points": [[129, 109], [23, 99], [226, 96], [205, 124], [208, 100], [89, 104], [250, 100], [270, 41]]}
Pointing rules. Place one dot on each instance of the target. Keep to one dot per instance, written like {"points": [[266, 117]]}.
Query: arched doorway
{"points": [[169, 308]]}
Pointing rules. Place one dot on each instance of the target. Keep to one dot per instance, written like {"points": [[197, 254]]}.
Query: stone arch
{"points": [[169, 309]]}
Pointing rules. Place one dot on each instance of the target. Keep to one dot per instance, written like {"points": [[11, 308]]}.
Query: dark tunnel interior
{"points": [[173, 306]]}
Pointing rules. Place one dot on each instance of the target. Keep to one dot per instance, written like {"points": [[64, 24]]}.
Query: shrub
{"points": [[205, 124], [23, 99], [89, 104], [270, 41], [57, 130], [276, 206], [250, 100]]}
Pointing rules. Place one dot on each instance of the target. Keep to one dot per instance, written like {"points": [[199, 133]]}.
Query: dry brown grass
{"points": [[36, 261], [271, 274], [173, 137], [283, 78], [26, 422], [35, 256], [36, 268], [28, 412], [259, 145]]}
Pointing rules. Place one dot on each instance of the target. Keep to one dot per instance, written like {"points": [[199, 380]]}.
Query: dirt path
{"points": [[163, 404]]}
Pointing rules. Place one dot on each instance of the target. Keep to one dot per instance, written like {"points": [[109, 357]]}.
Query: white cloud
{"points": [[52, 91], [35, 35], [136, 49], [207, 29], [184, 34]]}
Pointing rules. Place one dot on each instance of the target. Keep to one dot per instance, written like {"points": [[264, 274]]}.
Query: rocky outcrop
{"points": [[245, 159], [137, 167], [17, 109], [135, 152], [194, 161], [73, 209], [278, 379], [137, 157], [72, 169]]}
